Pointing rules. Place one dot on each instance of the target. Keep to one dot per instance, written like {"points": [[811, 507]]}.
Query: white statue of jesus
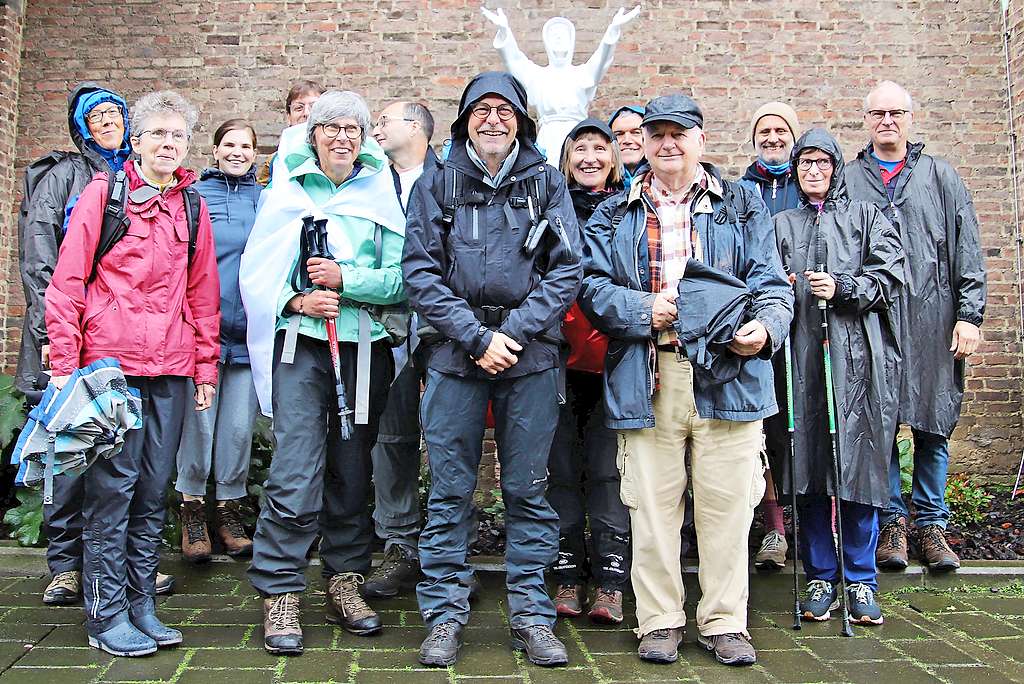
{"points": [[561, 92]]}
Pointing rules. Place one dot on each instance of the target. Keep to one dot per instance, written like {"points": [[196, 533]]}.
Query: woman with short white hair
{"points": [[327, 170], [151, 300]]}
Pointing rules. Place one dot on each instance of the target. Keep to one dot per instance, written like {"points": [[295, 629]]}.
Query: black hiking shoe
{"points": [[541, 645], [441, 647], [399, 569]]}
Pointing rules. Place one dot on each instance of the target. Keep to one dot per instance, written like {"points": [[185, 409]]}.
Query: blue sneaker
{"points": [[863, 608], [151, 626], [123, 639], [822, 598]]}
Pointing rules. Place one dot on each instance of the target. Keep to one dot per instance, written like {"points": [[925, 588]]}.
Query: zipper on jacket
{"points": [[476, 224]]}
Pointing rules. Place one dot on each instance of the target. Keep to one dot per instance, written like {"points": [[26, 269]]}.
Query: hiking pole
{"points": [[316, 239], [846, 630], [790, 428]]}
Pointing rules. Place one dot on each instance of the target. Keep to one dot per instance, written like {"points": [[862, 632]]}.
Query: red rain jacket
{"points": [[147, 307]]}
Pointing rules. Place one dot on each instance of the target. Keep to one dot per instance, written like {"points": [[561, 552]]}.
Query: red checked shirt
{"points": [[671, 237]]}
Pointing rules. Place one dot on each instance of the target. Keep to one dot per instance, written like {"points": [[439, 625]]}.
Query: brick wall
{"points": [[236, 59], [11, 23]]}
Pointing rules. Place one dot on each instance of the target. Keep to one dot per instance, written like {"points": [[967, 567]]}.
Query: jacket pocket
{"points": [[627, 482], [187, 331]]}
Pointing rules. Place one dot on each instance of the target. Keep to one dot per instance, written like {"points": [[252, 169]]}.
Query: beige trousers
{"points": [[728, 482]]}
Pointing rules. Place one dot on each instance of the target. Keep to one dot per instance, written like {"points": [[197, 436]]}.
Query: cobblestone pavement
{"points": [[933, 632]]}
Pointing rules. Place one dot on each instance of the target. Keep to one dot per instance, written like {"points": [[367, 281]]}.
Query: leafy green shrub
{"points": [[25, 519], [966, 500]]}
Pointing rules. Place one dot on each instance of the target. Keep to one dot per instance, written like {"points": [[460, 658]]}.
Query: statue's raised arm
{"points": [[599, 62], [517, 63]]}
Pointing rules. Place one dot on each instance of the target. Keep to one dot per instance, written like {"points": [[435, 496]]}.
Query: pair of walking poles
{"points": [[846, 629]]}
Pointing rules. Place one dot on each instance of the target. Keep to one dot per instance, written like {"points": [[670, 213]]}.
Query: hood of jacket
{"points": [[79, 131], [820, 139], [502, 84]]}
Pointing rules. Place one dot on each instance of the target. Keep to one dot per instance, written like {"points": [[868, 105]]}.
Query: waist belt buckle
{"points": [[493, 315]]}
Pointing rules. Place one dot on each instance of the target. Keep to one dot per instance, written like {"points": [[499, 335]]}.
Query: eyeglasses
{"points": [[161, 134], [894, 114], [98, 115], [385, 120], [332, 130], [822, 164], [483, 111]]}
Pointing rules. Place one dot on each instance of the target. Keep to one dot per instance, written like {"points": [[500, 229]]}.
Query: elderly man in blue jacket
{"points": [[637, 247]]}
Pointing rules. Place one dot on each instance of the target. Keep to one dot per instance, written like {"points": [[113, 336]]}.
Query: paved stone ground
{"points": [[932, 633]]}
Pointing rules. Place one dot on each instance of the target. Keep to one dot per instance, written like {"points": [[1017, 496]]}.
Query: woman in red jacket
{"points": [[583, 480], [152, 303]]}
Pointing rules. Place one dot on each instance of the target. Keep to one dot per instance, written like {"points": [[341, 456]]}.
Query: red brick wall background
{"points": [[11, 300], [237, 58]]}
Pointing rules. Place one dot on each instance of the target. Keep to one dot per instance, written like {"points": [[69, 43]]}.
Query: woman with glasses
{"points": [[152, 301], [847, 256], [584, 481], [98, 125], [219, 441], [335, 177]]}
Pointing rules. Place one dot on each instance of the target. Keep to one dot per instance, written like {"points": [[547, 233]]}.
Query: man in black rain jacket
{"points": [[492, 262]]}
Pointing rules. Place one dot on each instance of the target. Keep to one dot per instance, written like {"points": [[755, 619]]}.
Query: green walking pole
{"points": [[846, 630], [792, 487]]}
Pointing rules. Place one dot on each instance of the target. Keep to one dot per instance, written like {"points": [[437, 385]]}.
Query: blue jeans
{"points": [[525, 414], [860, 537], [931, 462]]}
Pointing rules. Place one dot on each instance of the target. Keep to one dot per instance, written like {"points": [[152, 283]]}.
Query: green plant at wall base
{"points": [[906, 451], [967, 501], [26, 519]]}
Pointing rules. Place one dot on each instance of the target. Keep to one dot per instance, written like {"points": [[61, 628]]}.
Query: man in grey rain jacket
{"points": [[944, 295]]}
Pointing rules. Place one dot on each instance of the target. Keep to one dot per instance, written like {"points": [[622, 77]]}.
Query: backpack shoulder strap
{"points": [[193, 207], [730, 201], [452, 193], [618, 213], [538, 189], [115, 221]]}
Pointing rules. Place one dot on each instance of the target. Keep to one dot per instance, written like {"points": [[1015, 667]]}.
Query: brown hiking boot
{"points": [[661, 645], [195, 538], [891, 553], [64, 589], [346, 607], [229, 530], [606, 608], [937, 554], [282, 633], [568, 600]]}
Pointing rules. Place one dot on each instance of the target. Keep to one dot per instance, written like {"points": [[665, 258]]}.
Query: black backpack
{"points": [[115, 219], [34, 173]]}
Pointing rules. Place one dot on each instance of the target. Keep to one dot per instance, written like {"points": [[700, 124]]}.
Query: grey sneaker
{"points": [[661, 645], [864, 610], [822, 599], [772, 554], [730, 649]]}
